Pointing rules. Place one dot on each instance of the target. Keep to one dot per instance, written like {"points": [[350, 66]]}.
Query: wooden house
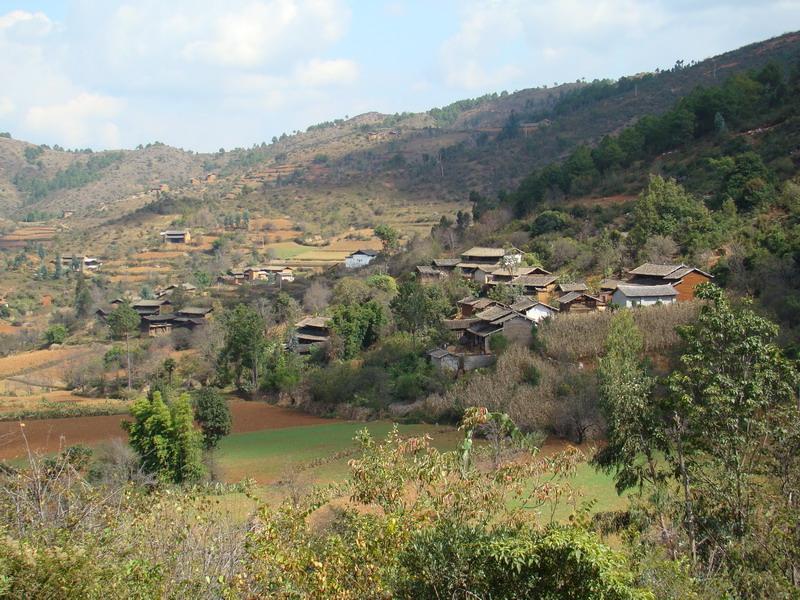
{"points": [[501, 275], [158, 306], [311, 332], [426, 274], [446, 265], [566, 288], [471, 305], [186, 288], [683, 278], [540, 287], [607, 289], [156, 325], [497, 320], [579, 302]]}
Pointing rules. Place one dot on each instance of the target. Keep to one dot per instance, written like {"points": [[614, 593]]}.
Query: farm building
{"points": [[311, 332], [607, 289], [497, 320], [79, 263], [426, 274], [681, 277], [628, 295], [176, 236], [540, 287], [447, 265], [152, 307], [578, 286], [489, 256], [444, 360], [470, 305], [579, 302], [186, 288], [502, 275], [360, 258], [533, 309]]}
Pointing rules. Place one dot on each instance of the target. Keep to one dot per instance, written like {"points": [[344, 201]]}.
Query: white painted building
{"points": [[628, 295], [533, 310], [360, 258]]}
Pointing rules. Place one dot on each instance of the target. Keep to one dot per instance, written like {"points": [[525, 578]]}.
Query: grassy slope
{"points": [[276, 455]]}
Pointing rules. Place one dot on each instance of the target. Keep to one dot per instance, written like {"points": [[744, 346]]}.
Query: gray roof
{"points": [[578, 286], [445, 262], [609, 284], [494, 313], [572, 296], [438, 353], [633, 290], [151, 303], [524, 304], [366, 252], [484, 252], [313, 322], [655, 270], [426, 270], [195, 310], [534, 280]]}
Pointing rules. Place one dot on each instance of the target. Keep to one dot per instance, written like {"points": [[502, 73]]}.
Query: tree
{"points": [[55, 334], [83, 298], [357, 325], [731, 378], [169, 366], [389, 237], [123, 321], [59, 269], [164, 437], [417, 308], [244, 347], [316, 297], [214, 416]]}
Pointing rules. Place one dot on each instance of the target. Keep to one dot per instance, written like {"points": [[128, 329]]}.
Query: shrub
{"points": [[55, 334]]}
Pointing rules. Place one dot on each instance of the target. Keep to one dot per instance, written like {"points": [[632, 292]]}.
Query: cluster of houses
{"points": [[79, 263], [278, 274], [158, 316]]}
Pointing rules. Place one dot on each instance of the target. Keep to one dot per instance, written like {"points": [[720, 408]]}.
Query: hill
{"points": [[488, 144]]}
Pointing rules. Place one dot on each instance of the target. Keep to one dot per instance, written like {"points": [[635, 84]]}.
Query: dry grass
{"points": [[577, 337], [47, 401]]}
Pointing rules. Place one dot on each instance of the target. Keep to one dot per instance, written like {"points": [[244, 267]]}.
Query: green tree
{"points": [[418, 308], [83, 298], [123, 322], [58, 271], [357, 325], [731, 377], [55, 334], [389, 237], [169, 366], [244, 348], [164, 437], [214, 416]]}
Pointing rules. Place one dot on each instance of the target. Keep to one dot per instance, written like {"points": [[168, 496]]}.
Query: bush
{"points": [[55, 334]]}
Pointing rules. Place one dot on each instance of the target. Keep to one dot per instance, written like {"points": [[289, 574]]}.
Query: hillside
{"points": [[487, 144]]}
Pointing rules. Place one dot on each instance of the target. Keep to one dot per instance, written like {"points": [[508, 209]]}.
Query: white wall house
{"points": [[533, 310], [628, 295], [360, 258]]}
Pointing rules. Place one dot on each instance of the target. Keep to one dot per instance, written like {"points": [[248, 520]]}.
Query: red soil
{"points": [[50, 435]]}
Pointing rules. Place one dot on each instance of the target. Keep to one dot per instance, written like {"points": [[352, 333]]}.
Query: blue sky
{"points": [[200, 74]]}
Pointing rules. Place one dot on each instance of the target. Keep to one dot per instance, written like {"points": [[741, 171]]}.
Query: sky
{"points": [[201, 74]]}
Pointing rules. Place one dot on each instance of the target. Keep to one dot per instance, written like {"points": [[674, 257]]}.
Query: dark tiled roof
{"points": [[632, 290]]}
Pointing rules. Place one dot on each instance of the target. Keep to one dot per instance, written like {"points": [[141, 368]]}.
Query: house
{"points": [[156, 325], [79, 263], [501, 275], [426, 274], [311, 332], [497, 320], [186, 288], [255, 274], [580, 302], [471, 305], [490, 256], [446, 265], [152, 307], [360, 258], [279, 273], [479, 273], [176, 236], [578, 286], [607, 289], [195, 312], [533, 309], [628, 295], [683, 278], [444, 360], [540, 287]]}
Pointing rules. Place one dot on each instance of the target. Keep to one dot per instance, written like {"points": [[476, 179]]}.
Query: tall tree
{"points": [[388, 236], [417, 307], [123, 322], [244, 347], [213, 415], [83, 298]]}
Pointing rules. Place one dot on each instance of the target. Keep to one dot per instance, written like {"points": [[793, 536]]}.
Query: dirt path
{"points": [[49, 435]]}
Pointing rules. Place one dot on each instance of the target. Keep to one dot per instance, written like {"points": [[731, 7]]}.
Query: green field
{"points": [[310, 455]]}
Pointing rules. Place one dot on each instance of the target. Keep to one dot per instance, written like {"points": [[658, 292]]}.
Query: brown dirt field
{"points": [[8, 329], [128, 278], [25, 361], [280, 223], [11, 404], [50, 435], [157, 255]]}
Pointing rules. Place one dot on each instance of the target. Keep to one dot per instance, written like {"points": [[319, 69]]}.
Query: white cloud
{"points": [[6, 106], [317, 72], [26, 23], [78, 121]]}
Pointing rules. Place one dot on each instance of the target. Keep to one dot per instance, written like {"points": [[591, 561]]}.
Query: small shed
{"points": [[360, 258], [628, 295]]}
